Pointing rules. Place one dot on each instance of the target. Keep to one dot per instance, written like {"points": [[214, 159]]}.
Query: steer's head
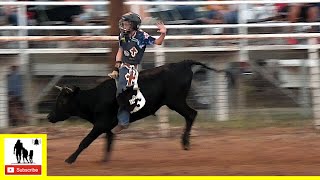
{"points": [[65, 105]]}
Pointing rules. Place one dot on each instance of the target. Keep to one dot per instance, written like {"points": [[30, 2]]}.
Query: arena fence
{"points": [[224, 103]]}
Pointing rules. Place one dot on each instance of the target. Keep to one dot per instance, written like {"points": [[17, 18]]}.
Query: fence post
{"points": [[25, 66], [4, 114], [243, 57], [315, 80], [222, 107], [304, 93], [164, 126]]}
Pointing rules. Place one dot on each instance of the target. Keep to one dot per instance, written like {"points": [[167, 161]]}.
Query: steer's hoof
{"points": [[186, 146], [106, 158], [70, 160], [102, 162], [185, 142]]}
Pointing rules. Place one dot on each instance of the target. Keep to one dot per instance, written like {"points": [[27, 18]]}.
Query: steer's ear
{"points": [[76, 90]]}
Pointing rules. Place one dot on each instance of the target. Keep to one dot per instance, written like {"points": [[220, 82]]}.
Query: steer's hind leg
{"points": [[189, 114]]}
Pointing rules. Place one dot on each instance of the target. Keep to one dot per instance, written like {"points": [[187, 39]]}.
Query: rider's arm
{"points": [[163, 31], [160, 39], [118, 58]]}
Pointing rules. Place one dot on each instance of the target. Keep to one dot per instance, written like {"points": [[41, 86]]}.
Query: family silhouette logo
{"points": [[23, 156]]}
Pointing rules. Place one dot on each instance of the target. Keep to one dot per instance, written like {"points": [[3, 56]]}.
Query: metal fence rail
{"points": [[255, 91]]}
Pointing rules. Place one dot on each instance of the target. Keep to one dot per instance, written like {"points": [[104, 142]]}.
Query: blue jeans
{"points": [[123, 117], [122, 84]]}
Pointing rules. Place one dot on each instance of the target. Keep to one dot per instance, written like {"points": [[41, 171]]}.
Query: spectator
{"points": [[55, 15], [3, 17], [11, 13], [16, 112], [307, 12], [300, 12], [282, 9], [215, 14], [187, 12], [221, 14], [141, 10], [83, 19], [231, 17]]}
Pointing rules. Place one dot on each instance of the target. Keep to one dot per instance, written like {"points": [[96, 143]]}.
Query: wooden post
{"points": [[116, 11]]}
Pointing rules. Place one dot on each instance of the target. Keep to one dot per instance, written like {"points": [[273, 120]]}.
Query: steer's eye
{"points": [[62, 102]]}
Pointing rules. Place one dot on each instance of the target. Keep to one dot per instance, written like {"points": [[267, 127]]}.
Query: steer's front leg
{"points": [[94, 133], [109, 140]]}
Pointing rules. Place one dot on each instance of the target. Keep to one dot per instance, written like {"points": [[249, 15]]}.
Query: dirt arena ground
{"points": [[264, 151]]}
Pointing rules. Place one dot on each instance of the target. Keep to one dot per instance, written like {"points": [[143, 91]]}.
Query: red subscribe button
{"points": [[23, 169]]}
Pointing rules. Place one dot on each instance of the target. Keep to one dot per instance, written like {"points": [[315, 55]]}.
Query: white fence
{"points": [[243, 48]]}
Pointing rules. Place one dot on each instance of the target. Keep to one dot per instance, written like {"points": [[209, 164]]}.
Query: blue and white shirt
{"points": [[134, 47]]}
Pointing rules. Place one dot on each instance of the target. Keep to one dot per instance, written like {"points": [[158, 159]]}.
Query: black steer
{"points": [[165, 85]]}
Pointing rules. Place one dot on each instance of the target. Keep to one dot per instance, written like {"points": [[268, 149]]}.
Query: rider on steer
{"points": [[132, 44]]}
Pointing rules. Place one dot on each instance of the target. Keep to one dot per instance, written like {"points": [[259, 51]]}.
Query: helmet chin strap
{"points": [[128, 33]]}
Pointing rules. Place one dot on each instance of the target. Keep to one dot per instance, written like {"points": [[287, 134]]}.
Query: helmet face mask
{"points": [[129, 22], [125, 26]]}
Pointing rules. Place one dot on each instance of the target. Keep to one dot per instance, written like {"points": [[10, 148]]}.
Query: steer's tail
{"points": [[192, 62]]}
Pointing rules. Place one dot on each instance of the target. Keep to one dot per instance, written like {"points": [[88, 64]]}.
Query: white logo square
{"points": [[10, 169]]}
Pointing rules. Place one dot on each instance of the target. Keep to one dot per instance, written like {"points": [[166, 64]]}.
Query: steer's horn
{"points": [[71, 90], [58, 87]]}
